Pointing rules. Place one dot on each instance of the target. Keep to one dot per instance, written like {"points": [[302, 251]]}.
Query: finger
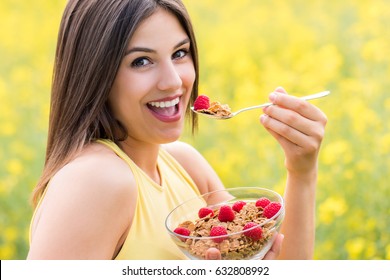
{"points": [[298, 105], [274, 252], [213, 254], [282, 141], [300, 131], [291, 118], [288, 116], [283, 132]]}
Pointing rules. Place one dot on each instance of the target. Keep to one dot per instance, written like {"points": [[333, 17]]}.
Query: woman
{"points": [[125, 74]]}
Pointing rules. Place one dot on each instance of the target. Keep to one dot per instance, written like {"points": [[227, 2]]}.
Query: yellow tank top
{"points": [[148, 237]]}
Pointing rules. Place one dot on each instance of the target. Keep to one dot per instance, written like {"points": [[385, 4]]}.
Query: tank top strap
{"points": [[138, 173], [115, 148], [119, 152]]}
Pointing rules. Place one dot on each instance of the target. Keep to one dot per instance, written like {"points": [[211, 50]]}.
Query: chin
{"points": [[171, 135], [170, 138]]}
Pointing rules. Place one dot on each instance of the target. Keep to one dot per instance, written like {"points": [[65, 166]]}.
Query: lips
{"points": [[166, 111]]}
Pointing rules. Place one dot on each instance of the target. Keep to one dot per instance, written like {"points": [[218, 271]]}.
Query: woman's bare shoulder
{"points": [[87, 193], [97, 168]]}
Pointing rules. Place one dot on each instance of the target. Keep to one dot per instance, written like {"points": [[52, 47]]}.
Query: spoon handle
{"points": [[315, 95], [307, 97]]}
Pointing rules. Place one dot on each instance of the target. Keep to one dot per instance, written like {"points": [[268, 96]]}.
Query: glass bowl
{"points": [[192, 228]]}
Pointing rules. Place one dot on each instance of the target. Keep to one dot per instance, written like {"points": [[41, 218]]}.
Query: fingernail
{"points": [[280, 89], [273, 97], [262, 118]]}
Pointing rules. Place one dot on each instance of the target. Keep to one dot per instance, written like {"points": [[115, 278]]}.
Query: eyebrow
{"points": [[147, 50]]}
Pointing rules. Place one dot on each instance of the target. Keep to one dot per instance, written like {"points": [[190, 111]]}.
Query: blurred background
{"points": [[247, 48]]}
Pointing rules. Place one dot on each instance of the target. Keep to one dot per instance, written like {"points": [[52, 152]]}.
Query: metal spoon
{"points": [[308, 97]]}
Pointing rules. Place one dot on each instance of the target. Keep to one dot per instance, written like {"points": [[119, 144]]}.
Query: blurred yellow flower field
{"points": [[247, 48]]}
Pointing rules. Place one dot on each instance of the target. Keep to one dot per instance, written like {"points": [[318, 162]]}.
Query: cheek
{"points": [[128, 89], [122, 96], [188, 75]]}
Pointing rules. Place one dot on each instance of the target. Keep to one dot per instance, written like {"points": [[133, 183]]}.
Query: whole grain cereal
{"points": [[236, 246], [217, 109]]}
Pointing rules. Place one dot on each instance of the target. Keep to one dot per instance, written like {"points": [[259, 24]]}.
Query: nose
{"points": [[170, 78]]}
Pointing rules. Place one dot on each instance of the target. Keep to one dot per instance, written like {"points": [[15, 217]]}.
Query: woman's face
{"points": [[152, 88]]}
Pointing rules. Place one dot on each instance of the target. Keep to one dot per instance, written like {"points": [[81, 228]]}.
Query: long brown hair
{"points": [[92, 41]]}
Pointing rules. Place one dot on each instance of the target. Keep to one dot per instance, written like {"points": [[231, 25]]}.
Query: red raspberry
{"points": [[271, 209], [237, 206], [255, 234], [205, 211], [201, 102], [182, 231], [262, 202], [218, 231], [226, 214]]}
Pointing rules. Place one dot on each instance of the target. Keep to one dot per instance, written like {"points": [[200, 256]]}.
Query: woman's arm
{"points": [[299, 128]]}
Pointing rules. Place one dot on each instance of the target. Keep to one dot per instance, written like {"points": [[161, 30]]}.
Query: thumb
{"points": [[274, 252], [213, 254]]}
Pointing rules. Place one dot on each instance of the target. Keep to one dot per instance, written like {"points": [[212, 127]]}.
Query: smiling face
{"points": [[154, 82]]}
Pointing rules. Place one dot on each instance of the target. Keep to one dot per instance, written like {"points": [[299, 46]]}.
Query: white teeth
{"points": [[165, 104]]}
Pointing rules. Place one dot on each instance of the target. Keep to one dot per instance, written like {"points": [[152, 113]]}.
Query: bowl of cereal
{"points": [[240, 222]]}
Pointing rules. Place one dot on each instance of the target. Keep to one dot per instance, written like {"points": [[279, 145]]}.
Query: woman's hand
{"points": [[272, 254], [299, 128]]}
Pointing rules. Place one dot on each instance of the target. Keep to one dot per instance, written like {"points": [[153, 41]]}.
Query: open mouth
{"points": [[165, 108]]}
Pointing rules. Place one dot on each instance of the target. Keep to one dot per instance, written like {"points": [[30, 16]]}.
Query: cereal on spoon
{"points": [[202, 104]]}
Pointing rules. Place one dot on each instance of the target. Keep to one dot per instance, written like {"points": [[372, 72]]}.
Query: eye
{"points": [[140, 62], [180, 54]]}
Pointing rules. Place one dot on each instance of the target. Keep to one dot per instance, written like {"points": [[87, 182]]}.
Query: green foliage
{"points": [[247, 48]]}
